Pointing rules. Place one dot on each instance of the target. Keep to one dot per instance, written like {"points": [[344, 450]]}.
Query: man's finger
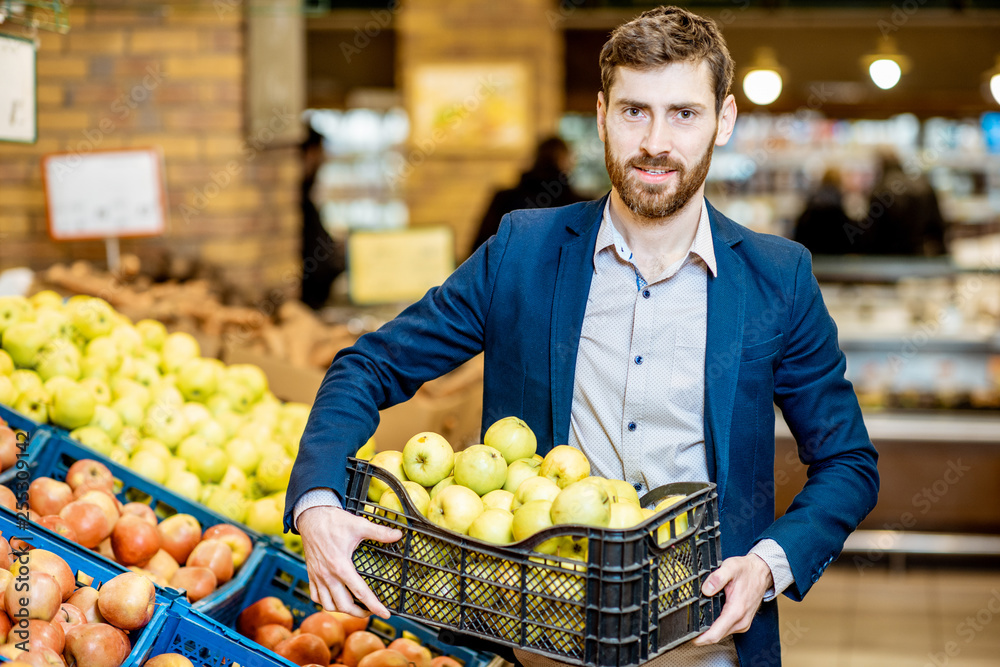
{"points": [[360, 589], [380, 533], [718, 579], [325, 598], [312, 591], [346, 604], [722, 626]]}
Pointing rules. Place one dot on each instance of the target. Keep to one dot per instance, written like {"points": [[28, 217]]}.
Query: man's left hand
{"points": [[745, 580]]}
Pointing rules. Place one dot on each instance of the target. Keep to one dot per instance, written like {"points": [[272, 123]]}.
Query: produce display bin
{"points": [[283, 576], [630, 600], [59, 453], [38, 436]]}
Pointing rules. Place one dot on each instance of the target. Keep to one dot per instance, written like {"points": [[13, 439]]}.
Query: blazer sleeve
{"points": [[822, 412], [428, 339]]}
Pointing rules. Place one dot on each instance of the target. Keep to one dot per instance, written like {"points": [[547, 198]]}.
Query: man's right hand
{"points": [[329, 538]]}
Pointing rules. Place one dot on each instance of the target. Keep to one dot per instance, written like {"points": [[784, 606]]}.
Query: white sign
{"points": [[105, 194], [17, 90]]}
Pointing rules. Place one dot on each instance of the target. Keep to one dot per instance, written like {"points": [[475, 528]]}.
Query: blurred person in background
{"points": [[820, 228], [545, 185], [322, 257], [903, 214]]}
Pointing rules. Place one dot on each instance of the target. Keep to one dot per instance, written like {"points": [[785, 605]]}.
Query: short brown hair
{"points": [[666, 35]]}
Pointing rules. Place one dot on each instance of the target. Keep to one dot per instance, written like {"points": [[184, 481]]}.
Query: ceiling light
{"points": [[993, 79], [762, 82], [886, 66]]}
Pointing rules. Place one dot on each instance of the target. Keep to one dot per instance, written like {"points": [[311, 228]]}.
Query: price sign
{"points": [[18, 115], [398, 266]]}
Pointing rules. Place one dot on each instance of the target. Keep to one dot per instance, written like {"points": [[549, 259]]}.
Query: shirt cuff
{"points": [[318, 497], [774, 557]]}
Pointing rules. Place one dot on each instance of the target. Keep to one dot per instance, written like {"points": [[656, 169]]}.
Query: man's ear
{"points": [[727, 121], [602, 115]]}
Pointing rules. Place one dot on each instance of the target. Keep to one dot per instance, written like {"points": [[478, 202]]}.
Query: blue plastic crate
{"points": [[38, 436], [54, 460], [285, 577]]}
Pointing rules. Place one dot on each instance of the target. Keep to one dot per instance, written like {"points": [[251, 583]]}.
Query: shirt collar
{"points": [[609, 237]]}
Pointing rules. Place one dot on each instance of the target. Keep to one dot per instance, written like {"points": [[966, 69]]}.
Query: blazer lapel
{"points": [[724, 341], [573, 278]]}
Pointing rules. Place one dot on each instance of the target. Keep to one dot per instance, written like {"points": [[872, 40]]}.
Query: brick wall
{"points": [[455, 190], [171, 76]]}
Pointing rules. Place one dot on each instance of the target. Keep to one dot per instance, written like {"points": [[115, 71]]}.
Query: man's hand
{"points": [[329, 537], [745, 580]]}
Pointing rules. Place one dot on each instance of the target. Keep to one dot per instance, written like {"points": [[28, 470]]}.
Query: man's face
{"points": [[659, 128]]}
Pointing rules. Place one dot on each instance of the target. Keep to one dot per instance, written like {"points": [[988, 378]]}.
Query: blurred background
{"points": [[318, 165]]}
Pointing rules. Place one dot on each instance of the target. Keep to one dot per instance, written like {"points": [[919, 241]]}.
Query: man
{"points": [[647, 329]]}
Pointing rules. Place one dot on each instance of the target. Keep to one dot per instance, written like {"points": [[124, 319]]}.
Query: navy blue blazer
{"points": [[521, 298]]}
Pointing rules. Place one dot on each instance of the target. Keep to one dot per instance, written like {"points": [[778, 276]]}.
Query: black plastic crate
{"points": [[630, 601]]}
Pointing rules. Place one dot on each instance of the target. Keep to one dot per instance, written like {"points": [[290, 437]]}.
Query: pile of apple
{"points": [[8, 446], [85, 510], [42, 610], [330, 638], [148, 400], [502, 492]]}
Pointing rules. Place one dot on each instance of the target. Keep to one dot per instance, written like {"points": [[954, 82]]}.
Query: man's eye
{"points": [[687, 114], [632, 113]]}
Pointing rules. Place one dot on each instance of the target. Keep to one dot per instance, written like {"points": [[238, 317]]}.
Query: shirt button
{"points": [[645, 294], [631, 426], [638, 360], [638, 486]]}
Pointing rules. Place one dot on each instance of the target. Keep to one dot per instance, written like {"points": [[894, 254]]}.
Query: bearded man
{"points": [[646, 329]]}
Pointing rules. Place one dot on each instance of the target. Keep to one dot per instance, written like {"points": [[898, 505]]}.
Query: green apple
{"points": [[56, 322], [151, 357], [680, 524], [129, 340], [122, 387], [107, 420], [167, 395], [418, 498], [234, 479], [511, 437], [23, 341], [54, 383], [219, 403], [229, 503], [585, 502], [33, 403], [6, 363], [196, 413], [366, 451], [13, 309], [498, 498], [104, 352], [93, 438], [197, 379], [392, 462], [99, 389], [191, 448], [428, 458], [71, 406], [443, 484], [118, 455], [494, 525], [273, 473], [239, 395], [130, 409], [520, 470], [8, 392], [155, 447], [530, 518], [258, 433], [455, 508], [294, 544], [565, 465], [176, 464], [148, 465], [213, 432], [92, 317], [177, 349], [129, 438], [166, 424], [93, 368], [535, 488], [624, 491], [23, 379], [572, 547], [264, 516], [243, 454], [625, 514], [184, 483], [481, 468], [250, 376], [153, 333], [58, 358], [45, 298], [146, 374]]}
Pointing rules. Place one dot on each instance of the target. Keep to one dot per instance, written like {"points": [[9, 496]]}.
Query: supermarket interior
{"points": [[203, 202]]}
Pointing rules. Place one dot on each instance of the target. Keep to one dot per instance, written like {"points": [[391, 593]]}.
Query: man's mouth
{"points": [[653, 174]]}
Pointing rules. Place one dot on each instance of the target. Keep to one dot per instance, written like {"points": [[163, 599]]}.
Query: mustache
{"points": [[663, 163]]}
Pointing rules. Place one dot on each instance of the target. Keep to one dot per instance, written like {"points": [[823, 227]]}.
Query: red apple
{"points": [[384, 657], [304, 649], [88, 471], [180, 534], [5, 627], [134, 541], [271, 635], [197, 581], [43, 633], [5, 578], [141, 510], [8, 447], [326, 627], [8, 499], [359, 644], [41, 595], [168, 660], [445, 661], [48, 496], [69, 615], [162, 565], [88, 522], [105, 549], [107, 502], [419, 655], [85, 599], [57, 524], [127, 601], [40, 560], [41, 656], [96, 645], [10, 651], [351, 624], [6, 557], [263, 612], [237, 540], [216, 556]]}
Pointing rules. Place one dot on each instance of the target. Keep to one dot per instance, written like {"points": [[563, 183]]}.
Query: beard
{"points": [[655, 201]]}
